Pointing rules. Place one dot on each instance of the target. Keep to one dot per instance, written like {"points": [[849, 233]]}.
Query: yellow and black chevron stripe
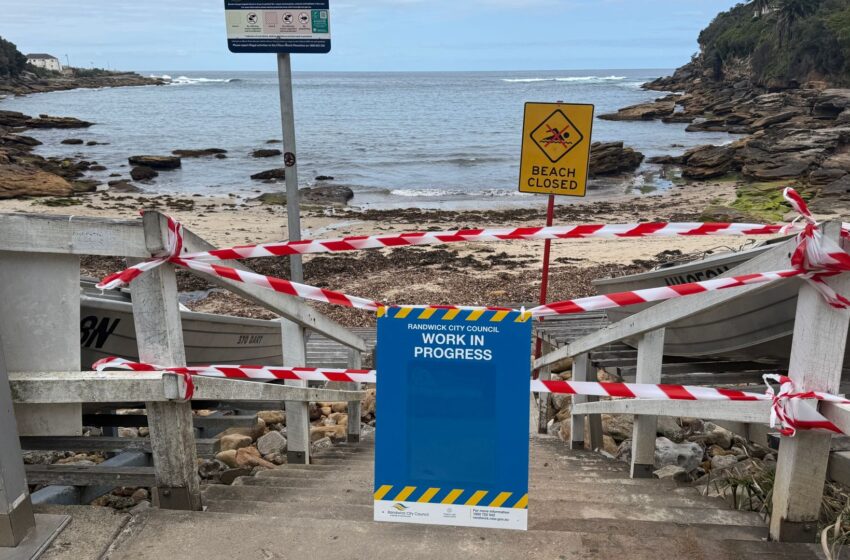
{"points": [[488, 316], [423, 495]]}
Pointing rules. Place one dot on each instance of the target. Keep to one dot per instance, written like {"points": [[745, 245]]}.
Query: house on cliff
{"points": [[46, 61]]}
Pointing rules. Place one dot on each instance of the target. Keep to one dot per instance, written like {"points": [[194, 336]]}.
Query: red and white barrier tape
{"points": [[584, 231], [814, 259], [247, 373], [788, 410], [244, 373], [279, 285], [624, 299], [356, 243]]}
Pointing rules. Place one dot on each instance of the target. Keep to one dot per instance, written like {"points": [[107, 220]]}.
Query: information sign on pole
{"points": [[278, 26], [452, 448], [556, 141], [282, 27]]}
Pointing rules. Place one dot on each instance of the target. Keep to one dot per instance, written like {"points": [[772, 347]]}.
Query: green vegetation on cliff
{"points": [[12, 62], [781, 42]]}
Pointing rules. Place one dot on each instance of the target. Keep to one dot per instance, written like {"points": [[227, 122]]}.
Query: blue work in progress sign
{"points": [[452, 441], [278, 26]]}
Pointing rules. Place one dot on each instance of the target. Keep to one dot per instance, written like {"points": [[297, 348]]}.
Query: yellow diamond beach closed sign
{"points": [[556, 148]]}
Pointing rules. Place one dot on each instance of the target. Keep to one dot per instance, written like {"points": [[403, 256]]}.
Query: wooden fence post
{"points": [[649, 359], [355, 361], [817, 357], [581, 372], [543, 402], [159, 333], [297, 413], [16, 515]]}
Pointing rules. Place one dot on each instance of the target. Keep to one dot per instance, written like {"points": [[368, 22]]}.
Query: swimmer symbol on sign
{"points": [[557, 136]]}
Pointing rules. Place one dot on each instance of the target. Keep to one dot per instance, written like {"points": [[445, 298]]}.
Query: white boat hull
{"points": [[107, 329], [750, 329]]}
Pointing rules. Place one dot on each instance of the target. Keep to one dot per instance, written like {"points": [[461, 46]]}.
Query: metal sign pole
{"points": [[290, 160], [544, 284]]}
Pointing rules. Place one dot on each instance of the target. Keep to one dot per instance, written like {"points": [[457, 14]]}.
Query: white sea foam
{"points": [[425, 192], [526, 80], [486, 193], [585, 79], [187, 81]]}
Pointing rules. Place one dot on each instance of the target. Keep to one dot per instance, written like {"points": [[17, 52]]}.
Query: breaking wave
{"points": [[584, 79], [186, 81], [430, 193]]}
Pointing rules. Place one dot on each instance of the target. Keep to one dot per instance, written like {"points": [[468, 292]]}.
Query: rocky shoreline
{"points": [[798, 136], [23, 173], [28, 83]]}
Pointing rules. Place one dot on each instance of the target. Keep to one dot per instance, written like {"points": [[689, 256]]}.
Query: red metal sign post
{"points": [[544, 283]]}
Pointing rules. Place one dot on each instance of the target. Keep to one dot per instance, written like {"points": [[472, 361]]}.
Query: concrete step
{"points": [[339, 484], [589, 472], [683, 497], [329, 467], [614, 506], [537, 475], [271, 494], [342, 457], [536, 520], [168, 534], [544, 480]]}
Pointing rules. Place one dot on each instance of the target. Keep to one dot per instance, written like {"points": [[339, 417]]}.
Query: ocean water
{"points": [[397, 139]]}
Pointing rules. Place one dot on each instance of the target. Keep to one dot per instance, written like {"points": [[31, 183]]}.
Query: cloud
{"points": [[374, 34]]}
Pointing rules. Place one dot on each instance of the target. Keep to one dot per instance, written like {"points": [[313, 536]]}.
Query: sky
{"points": [[372, 35]]}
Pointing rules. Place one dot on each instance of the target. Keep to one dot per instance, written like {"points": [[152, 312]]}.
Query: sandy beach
{"points": [[506, 273]]}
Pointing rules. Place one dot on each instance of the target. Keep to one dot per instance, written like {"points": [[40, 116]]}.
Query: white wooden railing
{"points": [[817, 356], [38, 366]]}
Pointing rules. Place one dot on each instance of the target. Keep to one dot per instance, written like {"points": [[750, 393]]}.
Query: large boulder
{"points": [[313, 196], [687, 455], [271, 417], [272, 442], [21, 141], [266, 153], [610, 158], [143, 173], [46, 121], [277, 174], [618, 426], [368, 405], [156, 162], [13, 119], [643, 111], [204, 152], [335, 195], [24, 180], [234, 441], [705, 162]]}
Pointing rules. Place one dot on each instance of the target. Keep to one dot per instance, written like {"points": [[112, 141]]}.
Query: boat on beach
{"points": [[107, 329], [754, 329]]}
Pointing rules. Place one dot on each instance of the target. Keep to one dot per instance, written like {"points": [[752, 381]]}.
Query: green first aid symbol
{"points": [[321, 21]]}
